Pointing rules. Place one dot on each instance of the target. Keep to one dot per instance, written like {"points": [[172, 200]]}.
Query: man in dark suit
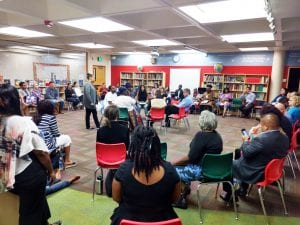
{"points": [[257, 153], [179, 92]]}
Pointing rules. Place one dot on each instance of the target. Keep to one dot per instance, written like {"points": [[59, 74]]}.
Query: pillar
{"points": [[277, 73]]}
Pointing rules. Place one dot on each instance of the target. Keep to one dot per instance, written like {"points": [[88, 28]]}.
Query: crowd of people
{"points": [[40, 151]]}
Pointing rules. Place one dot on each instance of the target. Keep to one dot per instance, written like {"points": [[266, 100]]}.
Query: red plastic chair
{"points": [[176, 221], [157, 114], [180, 116], [109, 156], [292, 149], [273, 173], [174, 102], [296, 125]]}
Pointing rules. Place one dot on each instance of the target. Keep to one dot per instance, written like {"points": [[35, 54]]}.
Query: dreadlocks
{"points": [[144, 150]]}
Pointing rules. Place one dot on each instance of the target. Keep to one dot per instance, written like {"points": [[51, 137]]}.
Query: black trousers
{"points": [[30, 186], [170, 109], [246, 110], [87, 118]]}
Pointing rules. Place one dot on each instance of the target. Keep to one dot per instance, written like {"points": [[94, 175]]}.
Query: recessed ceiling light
{"points": [[253, 37], [96, 24], [254, 49], [156, 42], [21, 32], [222, 11], [91, 45]]}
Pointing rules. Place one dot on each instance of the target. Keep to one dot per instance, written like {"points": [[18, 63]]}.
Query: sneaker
{"points": [[180, 203]]}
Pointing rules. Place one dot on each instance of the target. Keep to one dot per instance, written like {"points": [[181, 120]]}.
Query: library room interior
{"points": [[149, 112]]}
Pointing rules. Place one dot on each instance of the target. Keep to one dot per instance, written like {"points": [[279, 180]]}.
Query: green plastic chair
{"points": [[215, 170], [123, 114], [236, 104], [163, 150]]}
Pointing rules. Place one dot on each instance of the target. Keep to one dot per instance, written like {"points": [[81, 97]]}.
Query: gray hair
{"points": [[207, 121]]}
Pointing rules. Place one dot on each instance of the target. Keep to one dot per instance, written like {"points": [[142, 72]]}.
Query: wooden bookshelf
{"points": [[258, 83], [142, 78]]}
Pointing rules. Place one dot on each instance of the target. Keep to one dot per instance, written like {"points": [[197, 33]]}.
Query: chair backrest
{"points": [[123, 113], [110, 154], [163, 150], [237, 101], [157, 113], [174, 102], [296, 125], [294, 142], [176, 221], [273, 171], [216, 166]]}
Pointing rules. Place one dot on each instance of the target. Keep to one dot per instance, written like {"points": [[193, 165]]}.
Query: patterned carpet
{"points": [[178, 139]]}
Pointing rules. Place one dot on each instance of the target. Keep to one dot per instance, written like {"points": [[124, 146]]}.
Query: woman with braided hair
{"points": [[145, 186]]}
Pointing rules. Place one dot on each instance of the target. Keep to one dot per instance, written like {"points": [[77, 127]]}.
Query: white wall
{"points": [[20, 66], [106, 61]]}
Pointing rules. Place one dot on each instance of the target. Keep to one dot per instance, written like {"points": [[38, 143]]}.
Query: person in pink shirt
{"points": [[224, 100]]}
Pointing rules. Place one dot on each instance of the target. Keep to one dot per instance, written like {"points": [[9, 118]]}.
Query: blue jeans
{"points": [[142, 106], [57, 186], [61, 103], [189, 173]]}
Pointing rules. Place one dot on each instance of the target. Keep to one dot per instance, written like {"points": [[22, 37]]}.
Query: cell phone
{"points": [[244, 132]]}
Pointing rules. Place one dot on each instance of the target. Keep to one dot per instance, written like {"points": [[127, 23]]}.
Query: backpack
{"points": [[9, 152]]}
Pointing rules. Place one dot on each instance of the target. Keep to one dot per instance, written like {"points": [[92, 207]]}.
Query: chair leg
{"points": [[249, 190], [282, 197], [262, 204], [216, 195], [199, 203], [283, 181], [297, 162], [94, 183], [291, 164], [233, 198], [101, 184]]}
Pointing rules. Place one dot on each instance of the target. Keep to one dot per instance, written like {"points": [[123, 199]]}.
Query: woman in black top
{"points": [[145, 186], [111, 133], [142, 97], [70, 95]]}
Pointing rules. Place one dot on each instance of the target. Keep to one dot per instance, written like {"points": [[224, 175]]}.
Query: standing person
{"points": [[179, 92], [90, 101], [28, 169], [142, 97], [248, 99], [52, 94], [71, 96], [208, 140], [145, 185]]}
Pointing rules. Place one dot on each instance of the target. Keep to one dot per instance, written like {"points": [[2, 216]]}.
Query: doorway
{"points": [[99, 74], [294, 79]]}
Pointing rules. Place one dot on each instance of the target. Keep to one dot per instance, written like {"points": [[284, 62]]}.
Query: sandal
{"points": [[69, 165]]}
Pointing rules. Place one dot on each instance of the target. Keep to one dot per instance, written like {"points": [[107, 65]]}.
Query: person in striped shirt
{"points": [[47, 124]]}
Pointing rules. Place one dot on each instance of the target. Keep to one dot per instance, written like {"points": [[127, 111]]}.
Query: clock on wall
{"points": [[176, 58]]}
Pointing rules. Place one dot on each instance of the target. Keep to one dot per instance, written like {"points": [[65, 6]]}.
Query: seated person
{"points": [[56, 185], [145, 185], [248, 99], [282, 95], [208, 140], [142, 98], [186, 102], [224, 100], [207, 99], [35, 95], [110, 96], [179, 93], [157, 101], [256, 154], [47, 124], [24, 94], [70, 96], [293, 113], [78, 91], [111, 133], [52, 94]]}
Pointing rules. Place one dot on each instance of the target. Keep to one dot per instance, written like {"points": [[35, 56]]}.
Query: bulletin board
{"points": [[189, 78], [44, 71]]}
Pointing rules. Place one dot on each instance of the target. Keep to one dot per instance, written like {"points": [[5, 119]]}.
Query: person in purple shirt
{"points": [[186, 102]]}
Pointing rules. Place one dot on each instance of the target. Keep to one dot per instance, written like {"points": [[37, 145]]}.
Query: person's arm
{"points": [[116, 191], [48, 94], [251, 149], [181, 104], [53, 126], [45, 160], [176, 192]]}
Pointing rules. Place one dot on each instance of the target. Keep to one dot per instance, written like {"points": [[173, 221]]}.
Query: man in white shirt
{"points": [[248, 99], [110, 97], [124, 101]]}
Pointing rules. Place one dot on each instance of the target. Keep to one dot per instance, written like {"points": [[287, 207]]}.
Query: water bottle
{"points": [[99, 185], [61, 163]]}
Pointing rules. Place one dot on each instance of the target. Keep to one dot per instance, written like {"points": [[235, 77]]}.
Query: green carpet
{"points": [[77, 208]]}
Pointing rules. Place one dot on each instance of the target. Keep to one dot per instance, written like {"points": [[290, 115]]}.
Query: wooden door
{"points": [[99, 74]]}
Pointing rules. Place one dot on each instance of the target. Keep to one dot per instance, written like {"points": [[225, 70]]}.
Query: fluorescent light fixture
{"points": [[253, 37], [22, 48], [91, 45], [96, 24], [43, 48], [134, 53], [156, 42], [254, 49], [222, 11], [72, 55], [190, 51], [21, 32]]}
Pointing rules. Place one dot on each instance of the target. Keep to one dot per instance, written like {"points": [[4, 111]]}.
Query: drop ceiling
{"points": [[150, 19]]}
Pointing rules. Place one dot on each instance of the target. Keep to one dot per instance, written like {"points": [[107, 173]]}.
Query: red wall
{"points": [[116, 70]]}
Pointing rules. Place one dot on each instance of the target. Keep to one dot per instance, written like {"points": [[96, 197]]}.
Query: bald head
{"points": [[269, 122], [281, 107]]}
